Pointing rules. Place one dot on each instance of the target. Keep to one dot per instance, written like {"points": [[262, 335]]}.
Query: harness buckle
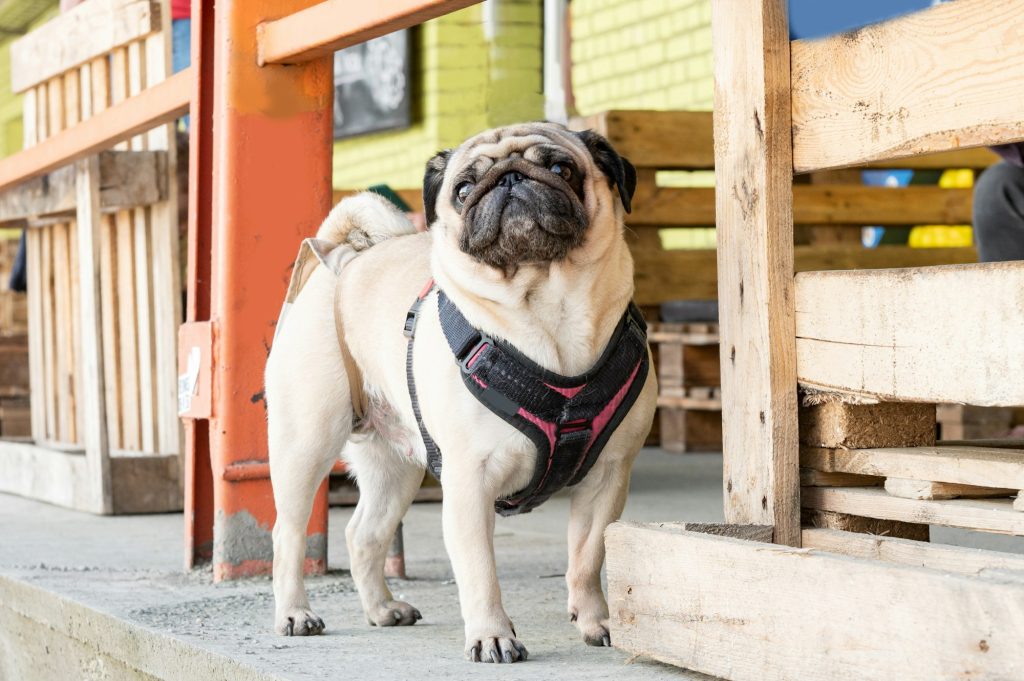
{"points": [[474, 352], [410, 319]]}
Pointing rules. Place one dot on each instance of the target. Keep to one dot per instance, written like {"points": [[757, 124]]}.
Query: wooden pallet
{"points": [[689, 400], [967, 422], [104, 300]]}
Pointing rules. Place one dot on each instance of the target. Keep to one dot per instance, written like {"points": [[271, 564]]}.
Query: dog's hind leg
{"points": [[387, 486], [309, 418]]}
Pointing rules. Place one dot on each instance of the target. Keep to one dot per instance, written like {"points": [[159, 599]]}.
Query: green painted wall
{"points": [[464, 81], [10, 104], [641, 54]]}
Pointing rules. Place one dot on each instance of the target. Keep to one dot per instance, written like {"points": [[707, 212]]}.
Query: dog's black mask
{"points": [[519, 212]]}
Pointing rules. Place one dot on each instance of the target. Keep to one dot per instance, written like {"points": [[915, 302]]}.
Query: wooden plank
{"points": [[28, 117], [111, 343], [72, 105], [37, 349], [666, 140], [865, 525], [64, 354], [906, 488], [100, 72], [939, 79], [128, 179], [667, 275], [127, 333], [48, 315], [812, 478], [336, 24], [136, 67], [977, 158], [93, 406], [161, 103], [750, 611], [842, 205], [981, 466], [142, 484], [837, 424], [754, 170], [79, 35], [75, 315], [42, 119], [166, 270], [906, 552], [940, 334], [144, 316], [119, 85], [54, 106], [995, 515]]}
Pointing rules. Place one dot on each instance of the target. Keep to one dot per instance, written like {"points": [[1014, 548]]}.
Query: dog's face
{"points": [[527, 194]]}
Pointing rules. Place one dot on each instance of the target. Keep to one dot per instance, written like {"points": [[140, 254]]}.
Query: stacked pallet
{"points": [[13, 305], [968, 422], [689, 399]]}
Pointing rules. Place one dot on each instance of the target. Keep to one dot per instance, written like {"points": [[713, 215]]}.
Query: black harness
{"points": [[569, 419]]}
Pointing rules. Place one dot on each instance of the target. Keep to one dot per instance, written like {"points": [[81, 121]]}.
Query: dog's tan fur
{"points": [[560, 314]]}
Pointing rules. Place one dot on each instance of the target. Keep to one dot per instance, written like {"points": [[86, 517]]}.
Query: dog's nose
{"points": [[511, 178]]}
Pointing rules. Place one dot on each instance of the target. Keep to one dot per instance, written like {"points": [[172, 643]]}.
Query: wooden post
{"points": [[97, 453], [754, 181]]}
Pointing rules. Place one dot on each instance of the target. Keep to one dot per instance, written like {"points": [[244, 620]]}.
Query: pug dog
{"points": [[526, 238]]}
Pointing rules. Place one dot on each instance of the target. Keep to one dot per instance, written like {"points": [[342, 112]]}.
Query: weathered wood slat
{"points": [[939, 79], [754, 176], [111, 343], [849, 205], [889, 333], [665, 140], [995, 515], [907, 552], [131, 431], [127, 179], [906, 488], [965, 465], [663, 275], [750, 611], [139, 484], [79, 35]]}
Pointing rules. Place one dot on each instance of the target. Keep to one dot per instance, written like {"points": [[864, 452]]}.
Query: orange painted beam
{"points": [[161, 103], [322, 29]]}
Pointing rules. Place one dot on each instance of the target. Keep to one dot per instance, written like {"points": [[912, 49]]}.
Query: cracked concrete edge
{"points": [[102, 636]]}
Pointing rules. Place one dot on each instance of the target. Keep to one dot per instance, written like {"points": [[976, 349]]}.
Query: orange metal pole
{"points": [[263, 159]]}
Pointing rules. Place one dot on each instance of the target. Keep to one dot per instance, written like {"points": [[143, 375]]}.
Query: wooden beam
{"points": [[74, 37], [140, 483], [907, 552], [750, 611], [161, 103], [864, 525], [665, 140], [939, 334], [97, 445], [976, 158], [829, 204], [127, 179], [944, 78], [996, 515], [906, 488], [981, 466], [754, 175], [665, 275], [333, 25]]}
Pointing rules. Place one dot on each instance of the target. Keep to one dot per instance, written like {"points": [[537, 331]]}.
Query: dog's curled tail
{"points": [[363, 220]]}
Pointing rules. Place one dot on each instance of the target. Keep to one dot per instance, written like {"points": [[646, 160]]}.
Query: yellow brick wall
{"points": [[641, 54], [464, 81]]}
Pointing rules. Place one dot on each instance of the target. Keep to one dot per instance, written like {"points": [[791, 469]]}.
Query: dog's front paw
{"points": [[298, 622], [393, 613], [497, 649]]}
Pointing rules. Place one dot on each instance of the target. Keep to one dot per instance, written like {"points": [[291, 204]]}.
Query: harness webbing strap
{"points": [[411, 317], [569, 419]]}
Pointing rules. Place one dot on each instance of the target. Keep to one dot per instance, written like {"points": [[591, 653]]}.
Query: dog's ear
{"points": [[433, 178], [618, 168]]}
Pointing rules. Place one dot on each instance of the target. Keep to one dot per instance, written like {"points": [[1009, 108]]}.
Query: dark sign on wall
{"points": [[371, 86]]}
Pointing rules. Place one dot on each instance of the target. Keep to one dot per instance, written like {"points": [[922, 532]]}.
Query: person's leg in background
{"points": [[999, 213]]}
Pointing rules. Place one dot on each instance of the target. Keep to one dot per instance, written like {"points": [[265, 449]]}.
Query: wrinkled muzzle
{"points": [[521, 213]]}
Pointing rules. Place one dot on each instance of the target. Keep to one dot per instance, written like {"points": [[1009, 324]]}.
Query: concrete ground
{"points": [[85, 597], [141, 608]]}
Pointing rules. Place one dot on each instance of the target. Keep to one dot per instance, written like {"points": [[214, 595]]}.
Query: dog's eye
{"points": [[462, 192], [563, 169]]}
